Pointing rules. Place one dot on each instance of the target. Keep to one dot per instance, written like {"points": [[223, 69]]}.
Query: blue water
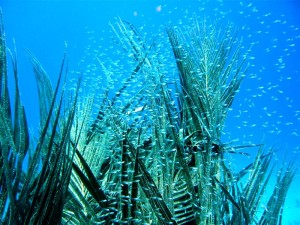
{"points": [[267, 108]]}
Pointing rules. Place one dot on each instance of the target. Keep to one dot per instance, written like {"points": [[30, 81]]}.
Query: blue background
{"points": [[267, 108]]}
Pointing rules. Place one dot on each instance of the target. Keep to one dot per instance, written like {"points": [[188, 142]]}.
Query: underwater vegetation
{"points": [[153, 156]]}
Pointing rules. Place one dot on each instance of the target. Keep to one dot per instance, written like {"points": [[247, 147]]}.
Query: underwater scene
{"points": [[150, 112]]}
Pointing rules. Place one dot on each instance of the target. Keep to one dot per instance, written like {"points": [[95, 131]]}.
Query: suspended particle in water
{"points": [[158, 8]]}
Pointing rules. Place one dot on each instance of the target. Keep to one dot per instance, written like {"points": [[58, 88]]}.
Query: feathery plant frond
{"points": [[45, 91], [35, 196], [153, 153], [210, 71], [274, 208]]}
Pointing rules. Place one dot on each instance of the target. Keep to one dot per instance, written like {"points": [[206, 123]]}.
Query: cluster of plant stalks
{"points": [[151, 157]]}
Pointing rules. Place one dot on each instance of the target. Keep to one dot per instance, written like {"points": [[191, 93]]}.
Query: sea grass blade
{"points": [[7, 147], [155, 199], [20, 132], [227, 194], [45, 91], [90, 181]]}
